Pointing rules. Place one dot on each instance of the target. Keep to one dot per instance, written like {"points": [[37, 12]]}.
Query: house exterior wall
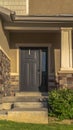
{"points": [[32, 7], [19, 6], [3, 40], [13, 56], [50, 7], [4, 62]]}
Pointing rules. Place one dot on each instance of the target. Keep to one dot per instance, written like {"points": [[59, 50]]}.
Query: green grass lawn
{"points": [[8, 125]]}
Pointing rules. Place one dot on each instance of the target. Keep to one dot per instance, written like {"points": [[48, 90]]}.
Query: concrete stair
{"points": [[32, 94], [30, 104], [23, 99], [28, 107]]}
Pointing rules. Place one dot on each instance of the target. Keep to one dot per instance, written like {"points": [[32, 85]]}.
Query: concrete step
{"points": [[28, 109], [8, 99], [6, 106], [24, 99], [32, 99], [25, 107], [11, 105], [30, 104], [39, 116], [3, 112], [33, 94]]}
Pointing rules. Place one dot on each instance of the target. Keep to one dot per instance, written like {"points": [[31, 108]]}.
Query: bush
{"points": [[60, 103]]}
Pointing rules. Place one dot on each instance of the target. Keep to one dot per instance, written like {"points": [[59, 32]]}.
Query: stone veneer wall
{"points": [[14, 83], [4, 73], [65, 80], [52, 82]]}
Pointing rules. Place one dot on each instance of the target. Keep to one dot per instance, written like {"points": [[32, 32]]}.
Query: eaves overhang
{"points": [[38, 22], [44, 19], [6, 14], [12, 22]]}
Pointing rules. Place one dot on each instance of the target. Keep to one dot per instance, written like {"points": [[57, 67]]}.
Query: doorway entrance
{"points": [[34, 69]]}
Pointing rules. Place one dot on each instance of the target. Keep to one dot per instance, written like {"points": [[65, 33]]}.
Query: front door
{"points": [[33, 70]]}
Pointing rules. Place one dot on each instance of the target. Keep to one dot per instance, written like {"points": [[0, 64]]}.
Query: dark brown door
{"points": [[30, 67], [31, 72]]}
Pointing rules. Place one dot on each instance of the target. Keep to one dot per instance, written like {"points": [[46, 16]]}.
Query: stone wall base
{"points": [[14, 83], [4, 73], [52, 82], [65, 80]]}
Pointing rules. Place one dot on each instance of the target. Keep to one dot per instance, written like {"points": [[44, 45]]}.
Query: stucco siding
{"points": [[3, 40], [13, 56], [50, 7], [10, 53], [57, 60]]}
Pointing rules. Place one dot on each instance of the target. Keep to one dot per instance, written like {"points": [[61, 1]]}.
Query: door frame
{"points": [[39, 46]]}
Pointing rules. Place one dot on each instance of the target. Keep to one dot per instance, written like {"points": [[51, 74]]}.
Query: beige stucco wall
{"points": [[3, 40], [13, 56], [55, 52], [10, 53], [50, 7], [57, 60]]}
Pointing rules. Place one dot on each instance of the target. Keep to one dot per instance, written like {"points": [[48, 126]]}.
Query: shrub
{"points": [[60, 103]]}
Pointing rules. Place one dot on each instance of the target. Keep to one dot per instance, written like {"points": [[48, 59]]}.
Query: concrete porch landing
{"points": [[27, 107]]}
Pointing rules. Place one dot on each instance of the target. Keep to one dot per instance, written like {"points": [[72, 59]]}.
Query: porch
{"points": [[59, 45], [51, 32], [41, 58]]}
